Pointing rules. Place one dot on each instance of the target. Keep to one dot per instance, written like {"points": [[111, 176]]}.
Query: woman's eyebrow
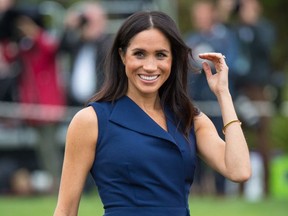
{"points": [[160, 50], [163, 50]]}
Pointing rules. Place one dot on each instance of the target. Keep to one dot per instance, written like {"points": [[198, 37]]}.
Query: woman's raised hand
{"points": [[218, 82]]}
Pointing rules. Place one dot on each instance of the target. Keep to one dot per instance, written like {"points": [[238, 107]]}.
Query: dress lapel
{"points": [[128, 114]]}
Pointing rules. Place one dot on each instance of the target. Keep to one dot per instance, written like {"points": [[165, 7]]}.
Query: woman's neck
{"points": [[146, 102]]}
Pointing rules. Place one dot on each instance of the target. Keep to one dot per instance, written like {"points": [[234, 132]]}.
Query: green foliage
{"points": [[276, 11], [279, 135]]}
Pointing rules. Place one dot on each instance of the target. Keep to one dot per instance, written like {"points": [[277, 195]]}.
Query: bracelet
{"points": [[231, 122]]}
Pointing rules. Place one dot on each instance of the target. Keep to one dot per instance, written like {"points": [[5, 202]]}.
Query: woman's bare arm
{"points": [[79, 156], [229, 157]]}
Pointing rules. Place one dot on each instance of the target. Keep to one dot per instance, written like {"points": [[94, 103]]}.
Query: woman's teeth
{"points": [[148, 78]]}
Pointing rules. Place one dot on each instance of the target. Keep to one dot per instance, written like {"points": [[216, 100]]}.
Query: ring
{"points": [[224, 57]]}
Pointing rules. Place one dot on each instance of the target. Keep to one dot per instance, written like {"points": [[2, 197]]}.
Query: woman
{"points": [[140, 134]]}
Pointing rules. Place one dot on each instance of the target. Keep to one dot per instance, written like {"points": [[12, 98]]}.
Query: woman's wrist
{"points": [[223, 95], [227, 107]]}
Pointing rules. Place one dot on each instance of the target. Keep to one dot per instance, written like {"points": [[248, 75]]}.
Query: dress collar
{"points": [[128, 114]]}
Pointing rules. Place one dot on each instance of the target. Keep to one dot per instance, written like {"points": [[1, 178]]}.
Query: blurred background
{"points": [[51, 55]]}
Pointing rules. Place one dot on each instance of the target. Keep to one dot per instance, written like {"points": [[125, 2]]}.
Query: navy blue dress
{"points": [[139, 168]]}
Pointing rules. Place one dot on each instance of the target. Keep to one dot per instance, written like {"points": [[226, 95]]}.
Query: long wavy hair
{"points": [[173, 93]]}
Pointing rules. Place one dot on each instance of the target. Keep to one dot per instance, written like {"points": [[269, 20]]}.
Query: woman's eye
{"points": [[139, 54], [161, 55]]}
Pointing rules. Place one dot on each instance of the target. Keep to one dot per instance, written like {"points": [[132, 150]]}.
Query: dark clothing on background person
{"points": [[220, 39], [255, 47], [141, 164], [9, 64], [85, 67], [256, 43], [9, 70]]}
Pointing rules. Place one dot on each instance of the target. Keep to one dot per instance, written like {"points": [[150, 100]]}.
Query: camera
{"points": [[83, 20]]}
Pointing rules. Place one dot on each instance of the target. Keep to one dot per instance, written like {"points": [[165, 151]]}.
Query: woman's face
{"points": [[148, 61]]}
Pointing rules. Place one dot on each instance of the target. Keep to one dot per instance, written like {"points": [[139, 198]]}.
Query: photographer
{"points": [[40, 83], [84, 42]]}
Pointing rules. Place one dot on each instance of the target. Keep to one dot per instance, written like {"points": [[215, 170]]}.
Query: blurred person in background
{"points": [[256, 36], [226, 11], [40, 84], [211, 34], [85, 42], [9, 66]]}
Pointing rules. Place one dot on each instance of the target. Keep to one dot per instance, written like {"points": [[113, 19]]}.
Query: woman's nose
{"points": [[150, 64]]}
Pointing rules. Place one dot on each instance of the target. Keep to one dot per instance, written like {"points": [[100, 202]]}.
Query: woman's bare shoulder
{"points": [[84, 121], [85, 115]]}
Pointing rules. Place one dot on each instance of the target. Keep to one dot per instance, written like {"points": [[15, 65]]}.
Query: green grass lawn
{"points": [[91, 206]]}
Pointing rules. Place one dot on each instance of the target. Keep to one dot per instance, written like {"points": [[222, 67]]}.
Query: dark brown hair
{"points": [[173, 93]]}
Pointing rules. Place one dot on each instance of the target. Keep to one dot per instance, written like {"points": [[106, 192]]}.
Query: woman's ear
{"points": [[121, 53]]}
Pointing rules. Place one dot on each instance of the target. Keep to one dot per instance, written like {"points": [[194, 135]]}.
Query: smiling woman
{"points": [[140, 135], [148, 61]]}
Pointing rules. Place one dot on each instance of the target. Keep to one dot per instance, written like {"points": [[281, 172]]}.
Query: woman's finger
{"points": [[214, 57], [207, 69], [218, 60]]}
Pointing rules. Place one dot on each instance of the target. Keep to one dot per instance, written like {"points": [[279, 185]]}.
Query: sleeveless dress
{"points": [[140, 169]]}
